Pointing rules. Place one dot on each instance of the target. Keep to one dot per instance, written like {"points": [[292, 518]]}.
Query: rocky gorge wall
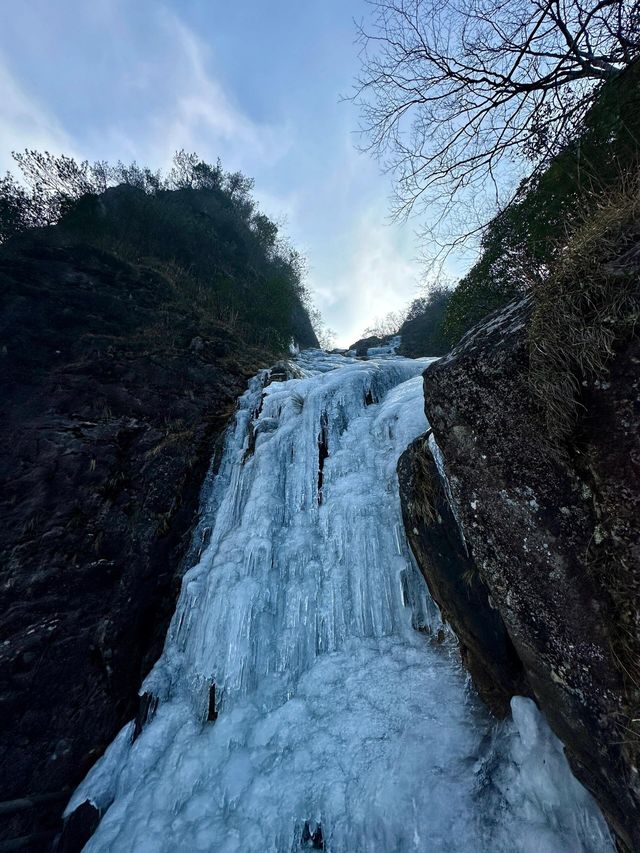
{"points": [[534, 558], [111, 407]]}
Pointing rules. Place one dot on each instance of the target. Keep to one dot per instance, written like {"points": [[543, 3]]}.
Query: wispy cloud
{"points": [[169, 75], [198, 112], [24, 122]]}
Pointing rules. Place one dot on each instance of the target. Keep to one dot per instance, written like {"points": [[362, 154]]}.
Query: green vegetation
{"points": [[420, 325], [198, 227], [522, 246], [523, 241], [422, 330]]}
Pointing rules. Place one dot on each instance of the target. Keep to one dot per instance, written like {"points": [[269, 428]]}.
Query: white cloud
{"points": [[377, 278], [167, 97], [163, 93], [199, 114], [25, 123]]}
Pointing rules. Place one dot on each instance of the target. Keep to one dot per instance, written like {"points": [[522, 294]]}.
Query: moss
{"points": [[114, 485], [177, 435], [427, 488], [163, 524]]}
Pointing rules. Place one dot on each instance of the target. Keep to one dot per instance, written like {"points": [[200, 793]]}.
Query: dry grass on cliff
{"points": [[588, 303], [587, 306]]}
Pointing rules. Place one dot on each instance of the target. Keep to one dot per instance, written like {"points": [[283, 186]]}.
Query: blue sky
{"points": [[257, 83]]}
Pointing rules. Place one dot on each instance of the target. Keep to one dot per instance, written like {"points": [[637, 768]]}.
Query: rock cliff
{"points": [[534, 557], [112, 400]]}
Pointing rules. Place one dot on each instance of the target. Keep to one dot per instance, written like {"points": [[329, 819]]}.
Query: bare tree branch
{"points": [[453, 93]]}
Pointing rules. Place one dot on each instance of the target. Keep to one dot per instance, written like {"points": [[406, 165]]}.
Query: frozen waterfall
{"points": [[308, 694]]}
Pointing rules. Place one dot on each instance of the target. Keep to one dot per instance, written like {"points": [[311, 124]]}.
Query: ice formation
{"points": [[303, 700], [390, 348]]}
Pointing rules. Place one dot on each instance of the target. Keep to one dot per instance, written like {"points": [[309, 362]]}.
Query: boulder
{"points": [[553, 539], [448, 567]]}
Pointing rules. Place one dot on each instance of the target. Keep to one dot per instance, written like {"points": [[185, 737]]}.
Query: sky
{"points": [[259, 83]]}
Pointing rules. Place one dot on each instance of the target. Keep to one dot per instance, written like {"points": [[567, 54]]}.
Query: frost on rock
{"points": [[298, 707]]}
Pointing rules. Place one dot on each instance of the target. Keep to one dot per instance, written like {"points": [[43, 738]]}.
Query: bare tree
{"points": [[190, 172], [387, 325], [453, 93], [55, 180]]}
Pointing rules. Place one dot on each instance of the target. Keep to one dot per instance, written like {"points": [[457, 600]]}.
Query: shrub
{"points": [[199, 222]]}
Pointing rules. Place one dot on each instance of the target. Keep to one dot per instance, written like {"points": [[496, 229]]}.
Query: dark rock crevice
{"points": [[433, 533], [212, 707], [147, 707], [323, 451]]}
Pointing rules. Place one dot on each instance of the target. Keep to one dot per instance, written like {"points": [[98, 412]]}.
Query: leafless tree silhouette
{"points": [[453, 93]]}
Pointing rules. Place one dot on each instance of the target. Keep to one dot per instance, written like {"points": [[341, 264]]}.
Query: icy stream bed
{"points": [[340, 719]]}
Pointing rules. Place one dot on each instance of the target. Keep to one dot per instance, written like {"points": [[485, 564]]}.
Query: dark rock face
{"points": [[78, 828], [363, 344], [436, 541], [111, 408], [540, 532]]}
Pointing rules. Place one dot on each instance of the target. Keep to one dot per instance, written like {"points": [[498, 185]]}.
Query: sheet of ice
{"points": [[336, 706], [438, 458]]}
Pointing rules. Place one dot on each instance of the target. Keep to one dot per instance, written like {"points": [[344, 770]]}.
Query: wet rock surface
{"points": [[542, 534], [448, 567], [111, 408], [78, 828]]}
